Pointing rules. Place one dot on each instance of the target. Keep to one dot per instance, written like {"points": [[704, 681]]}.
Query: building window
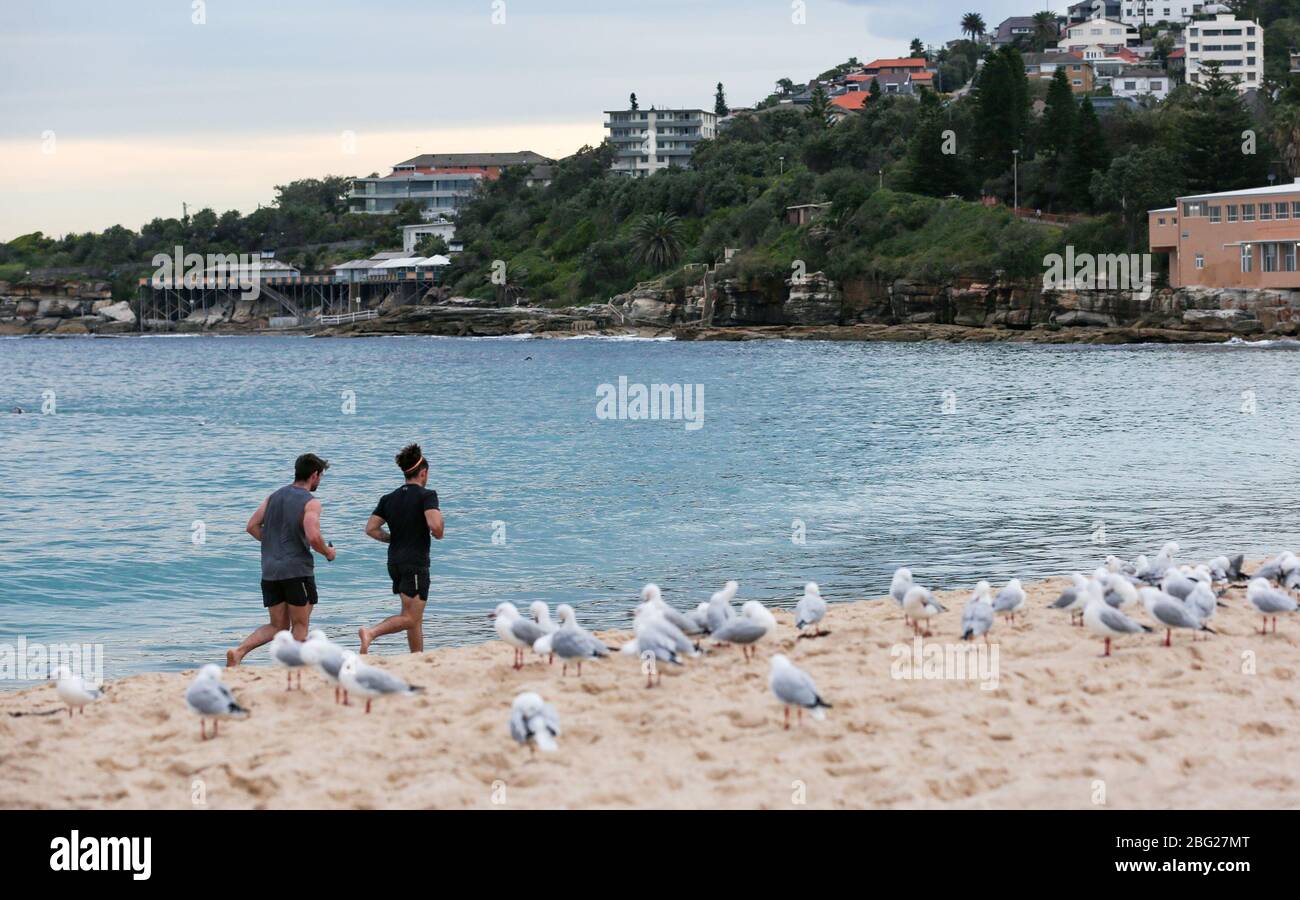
{"points": [[1266, 212], [1200, 260], [1232, 212], [1270, 257], [1245, 258], [1288, 257], [1248, 212], [1216, 215], [1282, 211]]}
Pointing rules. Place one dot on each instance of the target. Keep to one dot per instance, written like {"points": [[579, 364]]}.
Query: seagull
{"points": [[572, 642], [1275, 568], [1074, 597], [1163, 562], [977, 617], [720, 605], [515, 630], [794, 687], [1120, 592], [534, 723], [919, 603], [288, 653], [370, 682], [1170, 612], [898, 586], [324, 654], [684, 623], [1269, 601], [1102, 619], [541, 614], [1225, 569], [1201, 602], [655, 639], [1178, 584], [1010, 599], [746, 629], [208, 698], [73, 691], [701, 616], [811, 609]]}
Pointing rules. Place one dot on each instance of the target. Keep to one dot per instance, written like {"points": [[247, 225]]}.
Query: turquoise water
{"points": [[98, 499]]}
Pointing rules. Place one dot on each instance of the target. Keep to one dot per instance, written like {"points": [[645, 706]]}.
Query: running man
{"points": [[288, 526], [412, 515]]}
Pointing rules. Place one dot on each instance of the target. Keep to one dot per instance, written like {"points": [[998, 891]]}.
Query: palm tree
{"points": [[1286, 135], [658, 239], [1045, 30], [973, 24]]}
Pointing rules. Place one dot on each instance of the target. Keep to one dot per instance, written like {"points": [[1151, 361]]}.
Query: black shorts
{"points": [[294, 591], [410, 581]]}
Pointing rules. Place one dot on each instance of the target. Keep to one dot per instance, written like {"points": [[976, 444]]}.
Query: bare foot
{"points": [[364, 634], [233, 658]]}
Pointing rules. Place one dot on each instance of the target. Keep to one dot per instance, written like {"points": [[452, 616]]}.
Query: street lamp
{"points": [[1015, 169], [782, 165]]}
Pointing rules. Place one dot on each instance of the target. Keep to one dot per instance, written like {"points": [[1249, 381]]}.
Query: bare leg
{"points": [[410, 620], [787, 718], [367, 706], [203, 730], [299, 619], [216, 727], [279, 622]]}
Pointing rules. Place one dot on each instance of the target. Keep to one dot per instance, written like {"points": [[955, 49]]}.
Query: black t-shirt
{"points": [[403, 510]]}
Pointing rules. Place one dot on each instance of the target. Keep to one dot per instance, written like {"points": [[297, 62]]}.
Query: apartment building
{"points": [[647, 140], [1231, 239], [1237, 45], [1043, 66], [1097, 32], [440, 182], [1149, 12], [1138, 83]]}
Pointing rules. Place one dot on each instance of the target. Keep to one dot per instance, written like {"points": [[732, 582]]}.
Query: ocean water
{"points": [[962, 461]]}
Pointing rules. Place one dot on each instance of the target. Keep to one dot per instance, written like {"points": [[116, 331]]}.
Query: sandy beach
{"points": [[1204, 724]]}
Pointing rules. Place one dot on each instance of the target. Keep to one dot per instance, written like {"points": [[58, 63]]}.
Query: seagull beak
{"points": [[492, 615]]}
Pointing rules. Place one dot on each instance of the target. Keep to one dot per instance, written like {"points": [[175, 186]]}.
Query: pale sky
{"points": [[117, 112]]}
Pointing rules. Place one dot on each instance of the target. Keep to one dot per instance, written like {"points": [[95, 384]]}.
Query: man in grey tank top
{"points": [[288, 526]]}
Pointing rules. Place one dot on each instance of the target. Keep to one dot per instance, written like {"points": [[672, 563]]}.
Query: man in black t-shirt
{"points": [[412, 516]]}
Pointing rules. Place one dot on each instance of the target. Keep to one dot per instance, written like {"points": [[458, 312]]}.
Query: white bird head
{"points": [[779, 661], [211, 670], [1014, 584], [983, 589], [506, 610], [811, 590], [728, 592], [564, 613], [757, 612], [316, 635], [650, 593], [1258, 586], [282, 639], [1114, 563], [350, 664], [902, 574], [540, 611], [61, 673], [528, 703]]}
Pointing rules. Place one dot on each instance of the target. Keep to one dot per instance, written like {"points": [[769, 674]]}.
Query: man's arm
{"points": [[433, 518], [311, 527], [254, 526], [375, 529]]}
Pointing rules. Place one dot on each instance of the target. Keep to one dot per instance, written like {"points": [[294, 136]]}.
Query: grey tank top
{"points": [[285, 553]]}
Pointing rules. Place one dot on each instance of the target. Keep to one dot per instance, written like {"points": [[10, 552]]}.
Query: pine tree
{"points": [[820, 106], [1001, 110], [632, 100], [931, 168], [1056, 129], [1220, 147], [720, 102], [1089, 154]]}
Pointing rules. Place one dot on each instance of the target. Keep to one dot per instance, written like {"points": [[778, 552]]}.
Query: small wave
{"points": [[1268, 342]]}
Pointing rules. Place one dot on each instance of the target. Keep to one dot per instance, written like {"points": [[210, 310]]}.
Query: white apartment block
{"points": [[1095, 32], [1136, 83], [1237, 45], [647, 140], [1149, 12]]}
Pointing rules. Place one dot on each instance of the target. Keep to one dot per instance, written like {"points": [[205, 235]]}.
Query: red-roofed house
{"points": [[896, 66], [854, 100]]}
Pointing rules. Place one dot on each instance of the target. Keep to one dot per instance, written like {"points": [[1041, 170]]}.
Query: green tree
{"points": [[657, 238], [820, 106], [933, 166], [1088, 154], [1045, 30], [632, 102], [917, 49], [973, 25], [432, 245], [1221, 148], [1001, 95], [1142, 180], [720, 102], [1056, 128]]}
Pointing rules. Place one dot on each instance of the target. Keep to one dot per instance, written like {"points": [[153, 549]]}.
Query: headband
{"points": [[414, 467]]}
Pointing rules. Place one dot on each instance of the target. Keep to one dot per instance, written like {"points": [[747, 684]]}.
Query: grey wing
{"points": [[381, 681], [1174, 615], [569, 643], [331, 660], [527, 630], [1068, 596], [809, 610], [680, 642], [683, 623], [740, 631], [978, 617], [1113, 599], [518, 728], [795, 687], [551, 718], [1117, 621], [657, 643], [1273, 602]]}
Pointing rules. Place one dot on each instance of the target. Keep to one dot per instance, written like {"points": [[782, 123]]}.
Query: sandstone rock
{"points": [[28, 309], [57, 307], [1083, 317], [117, 312], [40, 326], [72, 326]]}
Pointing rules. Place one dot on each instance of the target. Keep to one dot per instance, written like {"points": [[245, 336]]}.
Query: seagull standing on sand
{"points": [[656, 639], [541, 614], [1275, 568], [324, 654], [1105, 621], [977, 616], [1120, 592], [572, 642], [288, 652], [720, 605], [918, 604], [1225, 569], [73, 691], [1161, 565], [1269, 601], [1171, 613], [534, 723], [794, 687], [208, 698], [1074, 597], [515, 630], [683, 622], [811, 609], [898, 586], [370, 682], [1201, 601], [746, 629], [1009, 599]]}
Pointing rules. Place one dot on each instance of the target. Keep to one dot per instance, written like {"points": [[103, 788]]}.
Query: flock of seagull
{"points": [[1175, 597]]}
